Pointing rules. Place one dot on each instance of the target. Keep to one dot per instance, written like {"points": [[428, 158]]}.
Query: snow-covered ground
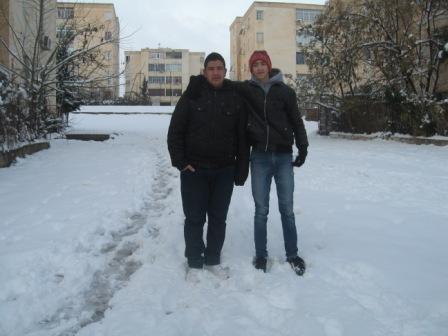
{"points": [[91, 243], [103, 109]]}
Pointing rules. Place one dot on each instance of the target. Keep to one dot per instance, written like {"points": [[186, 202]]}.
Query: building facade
{"points": [[274, 27], [18, 29], [26, 48], [166, 73], [102, 75]]}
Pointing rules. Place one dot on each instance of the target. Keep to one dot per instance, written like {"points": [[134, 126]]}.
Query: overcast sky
{"points": [[197, 25]]}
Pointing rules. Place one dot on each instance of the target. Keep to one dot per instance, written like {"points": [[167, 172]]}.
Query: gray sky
{"points": [[198, 25]]}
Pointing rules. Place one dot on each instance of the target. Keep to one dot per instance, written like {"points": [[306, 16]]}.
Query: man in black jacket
{"points": [[206, 141]]}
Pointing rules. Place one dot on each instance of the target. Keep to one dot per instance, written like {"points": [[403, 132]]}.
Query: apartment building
{"points": [[275, 27], [103, 74], [167, 72], [18, 29]]}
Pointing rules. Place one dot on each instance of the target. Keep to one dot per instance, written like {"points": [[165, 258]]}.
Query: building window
{"points": [[156, 67], [156, 92], [157, 55], [260, 14], [108, 36], [66, 13], [201, 59], [174, 67], [307, 15], [45, 42], [177, 80], [260, 37], [175, 92], [300, 58], [108, 16], [128, 59], [108, 55], [174, 55], [303, 37], [156, 80], [64, 32]]}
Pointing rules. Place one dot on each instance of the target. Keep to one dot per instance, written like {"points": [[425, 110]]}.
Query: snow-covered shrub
{"points": [[14, 114]]}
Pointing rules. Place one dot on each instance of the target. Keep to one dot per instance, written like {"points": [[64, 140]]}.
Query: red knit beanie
{"points": [[260, 55]]}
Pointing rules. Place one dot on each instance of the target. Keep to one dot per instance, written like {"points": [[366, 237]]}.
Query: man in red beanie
{"points": [[272, 129]]}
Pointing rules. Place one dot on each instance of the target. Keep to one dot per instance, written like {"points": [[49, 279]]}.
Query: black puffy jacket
{"points": [[208, 131], [275, 121]]}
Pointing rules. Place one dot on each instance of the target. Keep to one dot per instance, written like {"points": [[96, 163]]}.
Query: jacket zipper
{"points": [[213, 116], [267, 125]]}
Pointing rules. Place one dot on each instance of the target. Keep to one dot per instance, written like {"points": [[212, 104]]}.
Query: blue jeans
{"points": [[206, 193], [264, 166]]}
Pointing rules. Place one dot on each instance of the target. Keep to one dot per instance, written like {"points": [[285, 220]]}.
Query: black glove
{"points": [[241, 174], [300, 159], [194, 87], [239, 181]]}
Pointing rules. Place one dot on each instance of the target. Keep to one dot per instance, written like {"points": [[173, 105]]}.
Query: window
{"points": [[156, 92], [260, 14], [156, 67], [156, 80], [300, 58], [308, 15], [303, 37], [260, 37], [128, 59], [175, 92], [174, 67], [66, 13], [64, 32], [201, 59], [108, 36], [108, 55], [45, 42], [174, 55], [157, 55], [108, 16], [177, 80]]}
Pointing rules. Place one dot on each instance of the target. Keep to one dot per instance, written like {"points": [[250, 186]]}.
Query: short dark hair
{"points": [[214, 56]]}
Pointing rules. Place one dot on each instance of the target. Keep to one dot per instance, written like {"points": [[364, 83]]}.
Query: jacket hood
{"points": [[275, 77]]}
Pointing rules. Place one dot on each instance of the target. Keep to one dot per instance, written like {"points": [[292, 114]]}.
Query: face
{"points": [[260, 70], [215, 73]]}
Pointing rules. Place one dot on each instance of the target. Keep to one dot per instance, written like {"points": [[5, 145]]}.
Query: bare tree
{"points": [[389, 50], [45, 72]]}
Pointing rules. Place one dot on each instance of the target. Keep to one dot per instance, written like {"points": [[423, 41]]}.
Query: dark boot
{"points": [[297, 264], [260, 263]]}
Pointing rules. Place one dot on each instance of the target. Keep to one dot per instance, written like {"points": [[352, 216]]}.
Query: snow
{"points": [[91, 242], [125, 109]]}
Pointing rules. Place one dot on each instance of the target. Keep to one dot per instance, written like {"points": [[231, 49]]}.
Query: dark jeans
{"points": [[205, 192]]}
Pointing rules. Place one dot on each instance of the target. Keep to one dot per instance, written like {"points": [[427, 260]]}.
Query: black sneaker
{"points": [[297, 264], [260, 263]]}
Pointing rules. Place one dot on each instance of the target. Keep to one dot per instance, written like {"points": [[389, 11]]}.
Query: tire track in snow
{"points": [[121, 261]]}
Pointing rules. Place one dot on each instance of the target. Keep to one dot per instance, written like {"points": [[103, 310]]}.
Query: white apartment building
{"points": [[274, 27]]}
